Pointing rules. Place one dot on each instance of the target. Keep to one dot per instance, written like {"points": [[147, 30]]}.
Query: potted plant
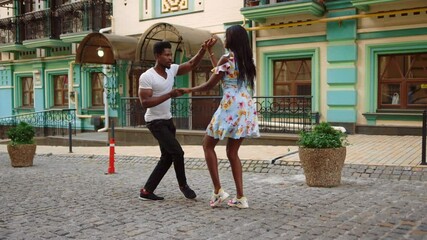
{"points": [[21, 147], [322, 153]]}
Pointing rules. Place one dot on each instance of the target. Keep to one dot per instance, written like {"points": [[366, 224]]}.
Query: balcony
{"points": [[81, 18], [364, 4], [10, 37], [273, 8], [56, 27], [40, 30]]}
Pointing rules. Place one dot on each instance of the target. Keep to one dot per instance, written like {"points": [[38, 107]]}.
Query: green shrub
{"points": [[23, 133], [323, 136]]}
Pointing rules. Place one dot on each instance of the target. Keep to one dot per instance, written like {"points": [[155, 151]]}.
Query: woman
{"points": [[236, 116]]}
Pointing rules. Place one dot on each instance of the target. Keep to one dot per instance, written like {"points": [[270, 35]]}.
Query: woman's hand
{"points": [[210, 43], [185, 90]]}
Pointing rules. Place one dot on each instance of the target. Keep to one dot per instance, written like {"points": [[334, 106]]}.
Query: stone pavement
{"points": [[68, 196]]}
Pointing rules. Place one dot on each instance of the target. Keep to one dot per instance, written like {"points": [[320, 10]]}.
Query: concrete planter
{"points": [[21, 155], [322, 166]]}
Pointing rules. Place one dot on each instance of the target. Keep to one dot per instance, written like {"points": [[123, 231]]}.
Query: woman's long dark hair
{"points": [[237, 41]]}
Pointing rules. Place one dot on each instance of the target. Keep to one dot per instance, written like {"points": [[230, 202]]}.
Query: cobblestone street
{"points": [[70, 197]]}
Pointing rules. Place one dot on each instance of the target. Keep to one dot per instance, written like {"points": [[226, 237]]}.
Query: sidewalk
{"points": [[370, 150]]}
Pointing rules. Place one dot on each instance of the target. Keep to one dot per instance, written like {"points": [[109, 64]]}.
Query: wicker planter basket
{"points": [[21, 155], [322, 166]]}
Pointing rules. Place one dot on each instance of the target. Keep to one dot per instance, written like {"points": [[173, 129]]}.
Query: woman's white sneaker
{"points": [[238, 202], [217, 199]]}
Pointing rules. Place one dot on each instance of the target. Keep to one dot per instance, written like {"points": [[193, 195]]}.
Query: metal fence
{"points": [[278, 114], [46, 123]]}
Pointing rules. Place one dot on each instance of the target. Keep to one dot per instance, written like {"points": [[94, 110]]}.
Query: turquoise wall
{"points": [[6, 91], [341, 96]]}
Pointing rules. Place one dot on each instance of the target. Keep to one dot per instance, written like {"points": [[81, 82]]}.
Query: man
{"points": [[155, 93]]}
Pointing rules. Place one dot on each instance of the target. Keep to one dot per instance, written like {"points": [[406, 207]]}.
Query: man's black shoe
{"points": [[188, 192], [145, 195]]}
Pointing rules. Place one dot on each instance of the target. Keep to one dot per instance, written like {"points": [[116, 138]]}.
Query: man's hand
{"points": [[185, 90], [176, 93], [208, 44]]}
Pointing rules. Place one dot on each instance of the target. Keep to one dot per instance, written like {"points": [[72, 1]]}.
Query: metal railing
{"points": [[46, 123], [278, 114]]}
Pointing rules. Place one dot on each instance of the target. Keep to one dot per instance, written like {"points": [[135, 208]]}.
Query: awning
{"points": [[185, 42], [100, 48]]}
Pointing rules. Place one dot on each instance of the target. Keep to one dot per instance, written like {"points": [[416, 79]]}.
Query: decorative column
{"points": [[342, 72]]}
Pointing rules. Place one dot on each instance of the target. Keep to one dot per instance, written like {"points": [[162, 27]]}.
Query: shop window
{"points": [[402, 81]]}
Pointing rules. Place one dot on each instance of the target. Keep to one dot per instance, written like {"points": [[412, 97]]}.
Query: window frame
{"points": [[100, 90], [64, 91], [371, 67], [24, 91], [266, 87], [404, 82], [17, 92]]}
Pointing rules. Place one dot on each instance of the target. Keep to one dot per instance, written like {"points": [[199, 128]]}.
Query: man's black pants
{"points": [[164, 131]]}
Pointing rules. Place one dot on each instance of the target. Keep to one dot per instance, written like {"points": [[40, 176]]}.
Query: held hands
{"points": [[178, 92], [185, 90], [175, 93], [208, 44]]}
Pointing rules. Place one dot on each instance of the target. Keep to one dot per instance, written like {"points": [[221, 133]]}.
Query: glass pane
{"points": [[303, 90], [26, 99], [417, 94], [292, 77], [282, 90], [58, 98], [417, 66], [279, 72], [390, 93], [97, 98], [304, 71], [391, 66]]}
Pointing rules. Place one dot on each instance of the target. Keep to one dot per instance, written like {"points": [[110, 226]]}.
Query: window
{"points": [[402, 81], [27, 92], [60, 88], [97, 80], [292, 77]]}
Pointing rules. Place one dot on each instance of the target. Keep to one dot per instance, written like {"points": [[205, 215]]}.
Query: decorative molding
{"points": [[262, 12]]}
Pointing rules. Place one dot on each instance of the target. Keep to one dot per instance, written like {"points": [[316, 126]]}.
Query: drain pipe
{"points": [[104, 71], [107, 29], [106, 117]]}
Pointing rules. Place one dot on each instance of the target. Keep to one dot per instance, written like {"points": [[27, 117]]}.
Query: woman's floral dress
{"points": [[236, 116]]}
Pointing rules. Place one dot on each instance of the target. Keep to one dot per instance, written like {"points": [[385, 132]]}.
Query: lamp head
{"points": [[100, 52]]}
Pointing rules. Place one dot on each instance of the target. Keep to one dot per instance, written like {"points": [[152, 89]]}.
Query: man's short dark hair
{"points": [[160, 46]]}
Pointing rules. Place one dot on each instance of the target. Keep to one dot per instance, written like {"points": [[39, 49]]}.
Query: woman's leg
{"points": [[232, 149], [209, 144]]}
